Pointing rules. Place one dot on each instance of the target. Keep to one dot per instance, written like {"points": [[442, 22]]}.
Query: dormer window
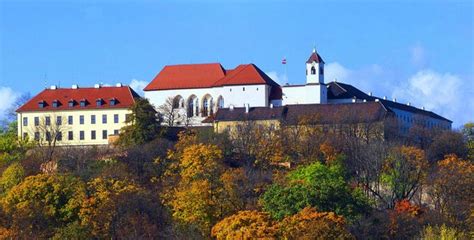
{"points": [[71, 103], [99, 102], [55, 103], [41, 104], [83, 103], [113, 102]]}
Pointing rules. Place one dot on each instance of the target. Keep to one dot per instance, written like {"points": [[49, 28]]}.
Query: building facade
{"points": [[75, 116]]}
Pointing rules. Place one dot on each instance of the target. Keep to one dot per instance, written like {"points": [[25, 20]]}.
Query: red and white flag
{"points": [[283, 61]]}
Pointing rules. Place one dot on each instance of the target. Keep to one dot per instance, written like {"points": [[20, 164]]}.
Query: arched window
{"points": [[220, 102], [191, 106], [206, 105], [177, 102], [313, 70]]}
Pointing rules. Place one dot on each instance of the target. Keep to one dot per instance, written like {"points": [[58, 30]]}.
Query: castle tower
{"points": [[315, 69]]}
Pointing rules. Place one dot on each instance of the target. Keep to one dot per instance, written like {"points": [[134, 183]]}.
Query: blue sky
{"points": [[420, 52]]}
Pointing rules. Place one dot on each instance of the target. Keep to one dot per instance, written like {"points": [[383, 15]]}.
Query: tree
{"points": [[310, 224], [468, 132], [120, 209], [142, 125], [11, 176], [42, 203], [49, 130], [197, 199], [245, 225], [403, 173], [167, 112], [315, 185], [452, 190], [11, 148], [447, 142]]}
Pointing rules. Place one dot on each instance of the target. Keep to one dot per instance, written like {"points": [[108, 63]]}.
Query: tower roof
{"points": [[315, 57]]}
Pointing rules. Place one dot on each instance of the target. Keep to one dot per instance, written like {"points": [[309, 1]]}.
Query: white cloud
{"points": [[281, 79], [335, 71], [7, 99], [138, 86], [442, 93], [418, 55]]}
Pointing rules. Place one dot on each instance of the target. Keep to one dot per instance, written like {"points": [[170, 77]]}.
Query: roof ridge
{"points": [[235, 74]]}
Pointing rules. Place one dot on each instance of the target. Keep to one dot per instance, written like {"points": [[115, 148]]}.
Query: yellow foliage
{"points": [[245, 225], [200, 161]]}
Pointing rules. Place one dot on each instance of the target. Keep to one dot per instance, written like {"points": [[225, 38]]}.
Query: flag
{"points": [[283, 61]]}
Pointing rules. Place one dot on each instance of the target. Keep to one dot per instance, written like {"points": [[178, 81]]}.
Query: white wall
{"points": [[306, 94]]}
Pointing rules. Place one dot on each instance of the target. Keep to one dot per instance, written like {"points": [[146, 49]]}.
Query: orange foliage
{"points": [[330, 153], [309, 223], [404, 206]]}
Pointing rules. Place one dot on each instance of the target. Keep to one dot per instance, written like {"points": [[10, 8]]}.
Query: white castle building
{"points": [[199, 90]]}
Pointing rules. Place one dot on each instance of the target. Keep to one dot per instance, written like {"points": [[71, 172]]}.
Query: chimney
{"points": [[247, 107], [370, 94], [118, 85], [231, 107], [53, 87], [354, 100], [377, 100], [423, 108], [394, 99], [96, 85], [384, 97], [75, 86], [271, 105], [408, 104]]}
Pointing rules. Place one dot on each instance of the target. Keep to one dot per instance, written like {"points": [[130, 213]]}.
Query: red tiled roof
{"points": [[124, 96], [207, 75], [315, 58]]}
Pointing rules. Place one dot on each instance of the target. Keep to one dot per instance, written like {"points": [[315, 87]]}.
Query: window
{"points": [[55, 103], [69, 120], [48, 136], [92, 119], [104, 134], [25, 121], [113, 102], [93, 134], [59, 120], [41, 104], [128, 117], [81, 119], [313, 70], [243, 89], [116, 118], [37, 121], [25, 136], [81, 135], [70, 135], [59, 136], [47, 121], [98, 102], [37, 136], [104, 118], [116, 132], [83, 103], [71, 103]]}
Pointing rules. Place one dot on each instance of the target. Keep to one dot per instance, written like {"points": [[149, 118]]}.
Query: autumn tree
{"points": [[11, 176], [468, 132], [245, 225], [452, 190], [42, 203], [447, 142], [403, 173], [120, 209], [142, 125], [11, 148], [310, 224], [197, 199]]}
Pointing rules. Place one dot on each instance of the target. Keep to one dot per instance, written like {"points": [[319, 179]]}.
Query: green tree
{"points": [[142, 125], [468, 132], [42, 203], [315, 185], [11, 148]]}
